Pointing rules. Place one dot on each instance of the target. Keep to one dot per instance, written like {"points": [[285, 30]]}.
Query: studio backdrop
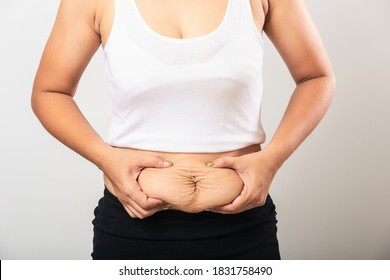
{"points": [[332, 195]]}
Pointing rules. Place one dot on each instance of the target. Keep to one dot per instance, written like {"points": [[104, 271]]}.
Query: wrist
{"points": [[101, 154], [275, 156]]}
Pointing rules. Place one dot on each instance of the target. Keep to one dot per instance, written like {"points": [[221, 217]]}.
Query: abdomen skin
{"points": [[191, 188]]}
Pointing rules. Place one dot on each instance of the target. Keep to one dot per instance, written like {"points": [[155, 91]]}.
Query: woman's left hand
{"points": [[257, 171]]}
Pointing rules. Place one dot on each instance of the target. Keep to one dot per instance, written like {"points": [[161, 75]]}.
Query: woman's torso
{"points": [[188, 185]]}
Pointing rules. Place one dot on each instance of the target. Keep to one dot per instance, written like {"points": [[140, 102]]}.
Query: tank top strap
{"points": [[126, 28], [122, 10], [127, 12], [248, 16], [241, 19]]}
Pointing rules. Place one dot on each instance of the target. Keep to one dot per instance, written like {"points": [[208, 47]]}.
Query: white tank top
{"points": [[199, 95]]}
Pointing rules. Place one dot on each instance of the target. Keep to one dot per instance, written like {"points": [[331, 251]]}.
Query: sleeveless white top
{"points": [[199, 95]]}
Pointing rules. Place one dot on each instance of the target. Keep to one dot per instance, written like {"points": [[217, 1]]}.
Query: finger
{"points": [[145, 205], [136, 202], [231, 207], [156, 162], [229, 162], [138, 211], [237, 205], [141, 212], [164, 206], [146, 213], [221, 209], [142, 200], [131, 211]]}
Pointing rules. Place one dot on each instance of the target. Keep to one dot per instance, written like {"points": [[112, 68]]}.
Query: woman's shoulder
{"points": [[81, 10], [98, 14], [84, 6]]}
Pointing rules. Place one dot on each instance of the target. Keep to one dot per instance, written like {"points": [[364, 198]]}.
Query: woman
{"points": [[185, 176]]}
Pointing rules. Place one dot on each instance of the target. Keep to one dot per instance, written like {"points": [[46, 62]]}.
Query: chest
{"points": [[176, 18]]}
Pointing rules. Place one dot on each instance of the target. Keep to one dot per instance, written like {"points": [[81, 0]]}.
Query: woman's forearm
{"points": [[306, 108], [60, 115]]}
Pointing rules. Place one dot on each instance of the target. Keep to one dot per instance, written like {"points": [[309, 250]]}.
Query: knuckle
{"points": [[224, 160], [154, 160], [158, 160]]}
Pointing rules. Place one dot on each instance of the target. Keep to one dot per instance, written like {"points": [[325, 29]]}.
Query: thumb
{"points": [[152, 161], [229, 162]]}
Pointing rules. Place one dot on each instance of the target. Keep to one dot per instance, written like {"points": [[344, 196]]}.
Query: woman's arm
{"points": [[294, 35], [72, 43]]}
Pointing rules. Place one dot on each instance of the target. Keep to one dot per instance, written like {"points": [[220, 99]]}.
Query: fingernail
{"points": [[211, 164], [167, 163]]}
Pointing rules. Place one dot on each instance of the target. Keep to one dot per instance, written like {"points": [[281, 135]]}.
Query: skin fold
{"points": [[191, 188]]}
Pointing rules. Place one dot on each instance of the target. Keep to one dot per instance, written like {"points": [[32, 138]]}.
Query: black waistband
{"points": [[111, 217]]}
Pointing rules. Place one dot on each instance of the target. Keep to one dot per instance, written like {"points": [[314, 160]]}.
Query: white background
{"points": [[332, 195]]}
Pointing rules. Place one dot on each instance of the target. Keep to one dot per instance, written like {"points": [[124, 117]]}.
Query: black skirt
{"points": [[173, 234]]}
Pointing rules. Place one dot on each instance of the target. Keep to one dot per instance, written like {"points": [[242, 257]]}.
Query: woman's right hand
{"points": [[122, 167]]}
